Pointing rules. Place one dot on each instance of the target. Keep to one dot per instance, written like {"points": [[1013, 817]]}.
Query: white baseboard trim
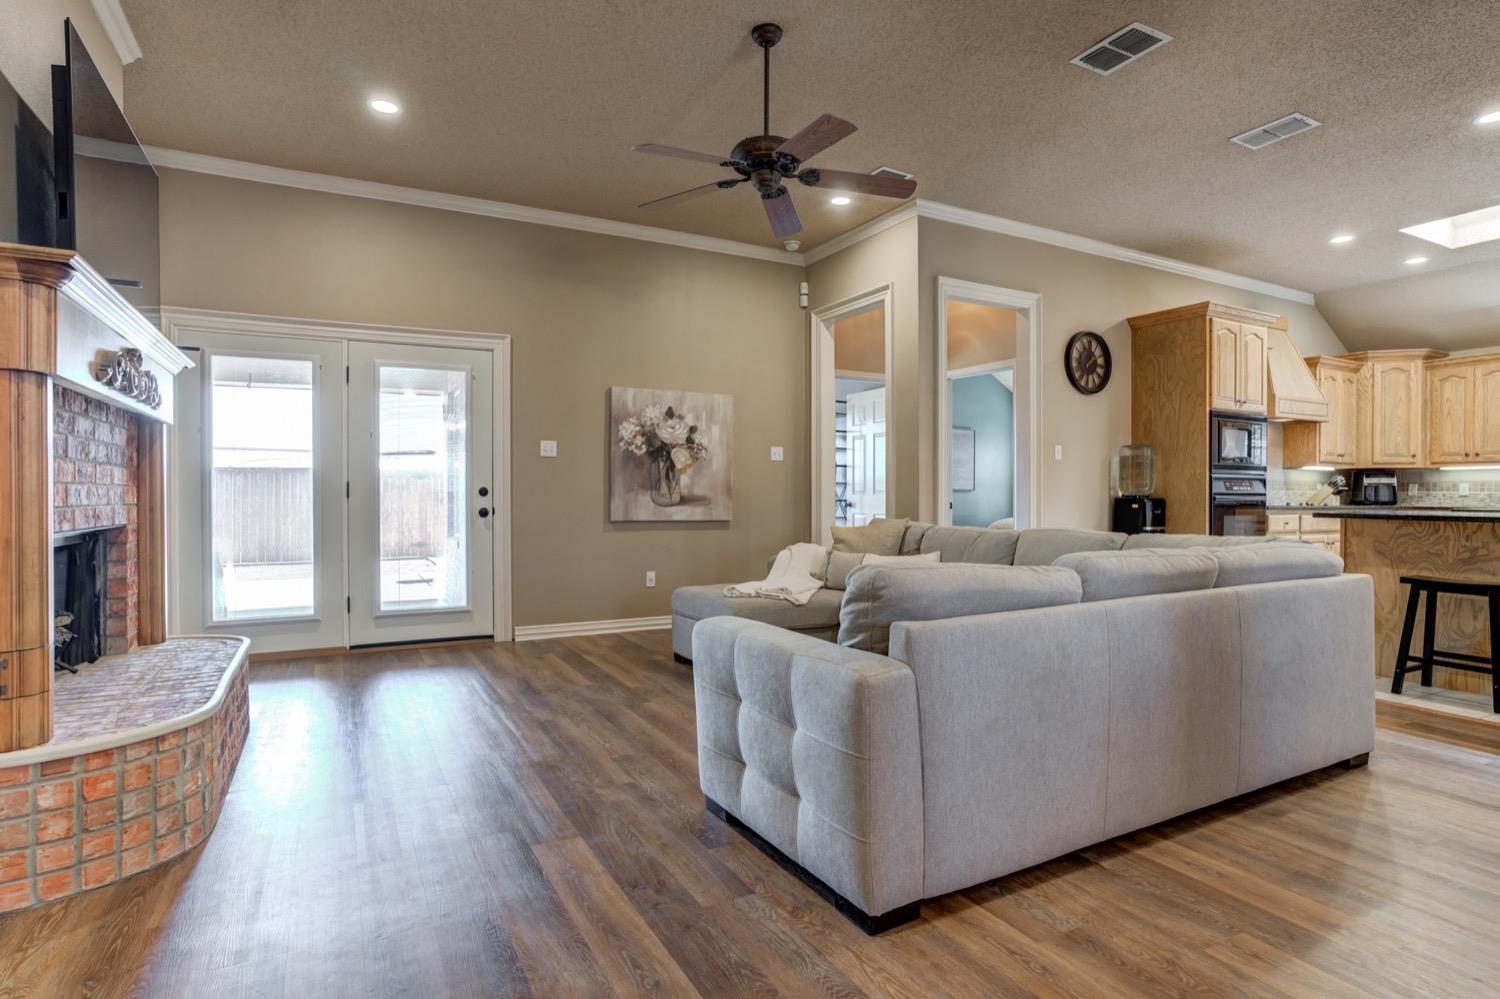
{"points": [[568, 629]]}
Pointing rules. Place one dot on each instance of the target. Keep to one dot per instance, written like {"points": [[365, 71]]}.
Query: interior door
{"points": [[866, 418], [258, 505], [420, 491]]}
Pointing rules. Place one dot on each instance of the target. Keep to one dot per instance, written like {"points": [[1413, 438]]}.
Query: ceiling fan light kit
{"points": [[767, 161]]}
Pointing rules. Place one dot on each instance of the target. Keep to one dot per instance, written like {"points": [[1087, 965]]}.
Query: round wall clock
{"points": [[1087, 361]]}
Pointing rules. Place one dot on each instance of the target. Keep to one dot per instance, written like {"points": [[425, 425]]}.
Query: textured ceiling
{"points": [[538, 103]]}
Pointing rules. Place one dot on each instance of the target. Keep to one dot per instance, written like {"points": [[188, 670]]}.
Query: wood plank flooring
{"points": [[525, 820]]}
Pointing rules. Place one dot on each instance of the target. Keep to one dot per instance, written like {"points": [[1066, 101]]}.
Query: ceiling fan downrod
{"points": [[766, 36]]}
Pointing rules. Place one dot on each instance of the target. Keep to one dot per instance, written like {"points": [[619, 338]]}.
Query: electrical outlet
{"points": [[549, 449], [650, 578], [1411, 489], [1057, 452], [1463, 489], [777, 454]]}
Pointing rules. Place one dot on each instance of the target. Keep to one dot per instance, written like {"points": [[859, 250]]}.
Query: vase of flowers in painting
{"points": [[670, 444]]}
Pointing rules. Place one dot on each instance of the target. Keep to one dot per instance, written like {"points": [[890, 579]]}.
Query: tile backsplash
{"points": [[1292, 487]]}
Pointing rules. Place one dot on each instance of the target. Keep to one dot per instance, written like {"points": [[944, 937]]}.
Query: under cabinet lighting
{"points": [[384, 106], [1317, 468], [1469, 468]]}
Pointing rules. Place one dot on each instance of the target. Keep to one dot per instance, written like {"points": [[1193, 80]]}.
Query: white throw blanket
{"points": [[794, 576]]}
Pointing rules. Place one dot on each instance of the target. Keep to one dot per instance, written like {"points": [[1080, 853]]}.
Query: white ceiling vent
{"points": [[1281, 128], [893, 173], [1126, 45]]}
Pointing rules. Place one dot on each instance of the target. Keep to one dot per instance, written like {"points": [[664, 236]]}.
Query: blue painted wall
{"points": [[982, 403]]}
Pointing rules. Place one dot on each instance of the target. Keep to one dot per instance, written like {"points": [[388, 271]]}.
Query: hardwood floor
{"points": [[525, 820]]}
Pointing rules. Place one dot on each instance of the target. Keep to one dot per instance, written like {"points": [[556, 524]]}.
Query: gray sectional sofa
{"points": [[976, 719]]}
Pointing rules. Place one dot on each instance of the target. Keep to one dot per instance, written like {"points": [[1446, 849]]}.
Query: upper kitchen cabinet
{"points": [[1463, 410], [1338, 441], [1396, 382], [1237, 364]]}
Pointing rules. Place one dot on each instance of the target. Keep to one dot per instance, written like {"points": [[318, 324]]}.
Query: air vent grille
{"points": [[1281, 128], [1126, 45], [892, 172]]}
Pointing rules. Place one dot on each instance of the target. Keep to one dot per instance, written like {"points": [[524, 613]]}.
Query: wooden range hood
{"points": [[1294, 392], [60, 320]]}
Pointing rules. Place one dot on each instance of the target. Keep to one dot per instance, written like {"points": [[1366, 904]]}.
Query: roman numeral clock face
{"points": [[1088, 363]]}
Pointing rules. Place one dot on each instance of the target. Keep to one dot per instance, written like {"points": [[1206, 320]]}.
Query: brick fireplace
{"points": [[95, 474]]}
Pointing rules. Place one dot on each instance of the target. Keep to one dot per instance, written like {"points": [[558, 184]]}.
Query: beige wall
{"points": [[586, 312], [31, 41], [886, 258], [979, 334], [1079, 292], [859, 342]]}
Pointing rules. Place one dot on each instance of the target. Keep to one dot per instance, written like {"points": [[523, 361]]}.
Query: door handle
{"points": [[484, 511]]}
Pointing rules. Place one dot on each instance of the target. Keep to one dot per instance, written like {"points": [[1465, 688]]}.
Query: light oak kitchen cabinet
{"points": [[1395, 383], [1237, 365], [1338, 441], [1463, 411]]}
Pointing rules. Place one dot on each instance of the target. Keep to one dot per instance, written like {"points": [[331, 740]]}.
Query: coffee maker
{"points": [[1132, 476]]}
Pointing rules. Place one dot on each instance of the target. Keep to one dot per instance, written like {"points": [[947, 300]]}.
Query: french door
{"points": [[333, 492], [420, 493]]}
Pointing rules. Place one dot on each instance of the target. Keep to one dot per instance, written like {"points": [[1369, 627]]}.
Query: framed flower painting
{"points": [[670, 455]]}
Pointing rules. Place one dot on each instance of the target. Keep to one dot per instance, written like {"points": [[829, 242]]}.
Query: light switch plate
{"points": [[1463, 489], [650, 577], [1057, 452], [1411, 489], [777, 454], [549, 449]]}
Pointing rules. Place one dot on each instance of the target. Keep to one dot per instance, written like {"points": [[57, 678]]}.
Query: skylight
{"points": [[1461, 230]]}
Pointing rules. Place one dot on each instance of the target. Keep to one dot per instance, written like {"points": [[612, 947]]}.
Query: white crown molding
{"points": [[570, 629], [1082, 244], [176, 159], [117, 26], [858, 235]]}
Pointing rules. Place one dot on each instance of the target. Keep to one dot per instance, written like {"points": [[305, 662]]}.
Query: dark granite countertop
{"points": [[1394, 512]]}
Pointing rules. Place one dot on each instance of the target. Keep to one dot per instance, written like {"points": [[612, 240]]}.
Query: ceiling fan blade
{"points": [[861, 183], [688, 195], [812, 140], [783, 215], [681, 154]]}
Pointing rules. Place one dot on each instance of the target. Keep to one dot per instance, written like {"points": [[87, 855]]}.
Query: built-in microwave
{"points": [[1237, 442]]}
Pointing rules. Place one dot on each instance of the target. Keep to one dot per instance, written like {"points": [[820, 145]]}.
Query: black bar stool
{"points": [[1431, 656]]}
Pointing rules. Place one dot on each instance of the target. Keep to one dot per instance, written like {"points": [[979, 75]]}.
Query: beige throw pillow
{"points": [[879, 537]]}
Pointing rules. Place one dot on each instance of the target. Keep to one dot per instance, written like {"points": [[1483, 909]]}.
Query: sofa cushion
{"points": [[1243, 566], [840, 564], [1042, 545], [978, 545], [879, 537], [1110, 575], [880, 595], [1135, 541], [699, 602]]}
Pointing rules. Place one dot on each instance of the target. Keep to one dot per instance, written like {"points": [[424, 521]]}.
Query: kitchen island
{"points": [[1389, 542]]}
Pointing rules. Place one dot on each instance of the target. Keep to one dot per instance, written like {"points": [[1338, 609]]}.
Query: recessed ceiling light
{"points": [[1341, 239], [1414, 261], [1461, 230], [1488, 119], [839, 199], [384, 106]]}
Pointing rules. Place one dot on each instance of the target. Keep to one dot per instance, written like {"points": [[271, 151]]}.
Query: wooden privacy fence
{"points": [[264, 515]]}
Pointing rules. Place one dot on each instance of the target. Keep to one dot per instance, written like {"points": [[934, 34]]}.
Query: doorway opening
{"points": [[988, 405], [851, 446]]}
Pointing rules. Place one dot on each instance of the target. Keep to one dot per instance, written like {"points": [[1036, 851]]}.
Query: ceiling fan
{"points": [[765, 161]]}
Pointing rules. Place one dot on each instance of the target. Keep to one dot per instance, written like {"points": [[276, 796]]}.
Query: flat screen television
{"points": [[28, 211], [107, 200]]}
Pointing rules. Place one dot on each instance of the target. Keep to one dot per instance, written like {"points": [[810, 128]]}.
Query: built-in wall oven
{"points": [[1237, 474]]}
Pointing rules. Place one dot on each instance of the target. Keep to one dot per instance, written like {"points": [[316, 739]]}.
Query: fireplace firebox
{"points": [[78, 599]]}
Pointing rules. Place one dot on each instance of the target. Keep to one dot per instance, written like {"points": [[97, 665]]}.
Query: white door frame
{"points": [[1028, 361], [179, 322], [823, 395]]}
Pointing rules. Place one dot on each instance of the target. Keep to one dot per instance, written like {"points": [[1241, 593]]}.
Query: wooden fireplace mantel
{"points": [[60, 320]]}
